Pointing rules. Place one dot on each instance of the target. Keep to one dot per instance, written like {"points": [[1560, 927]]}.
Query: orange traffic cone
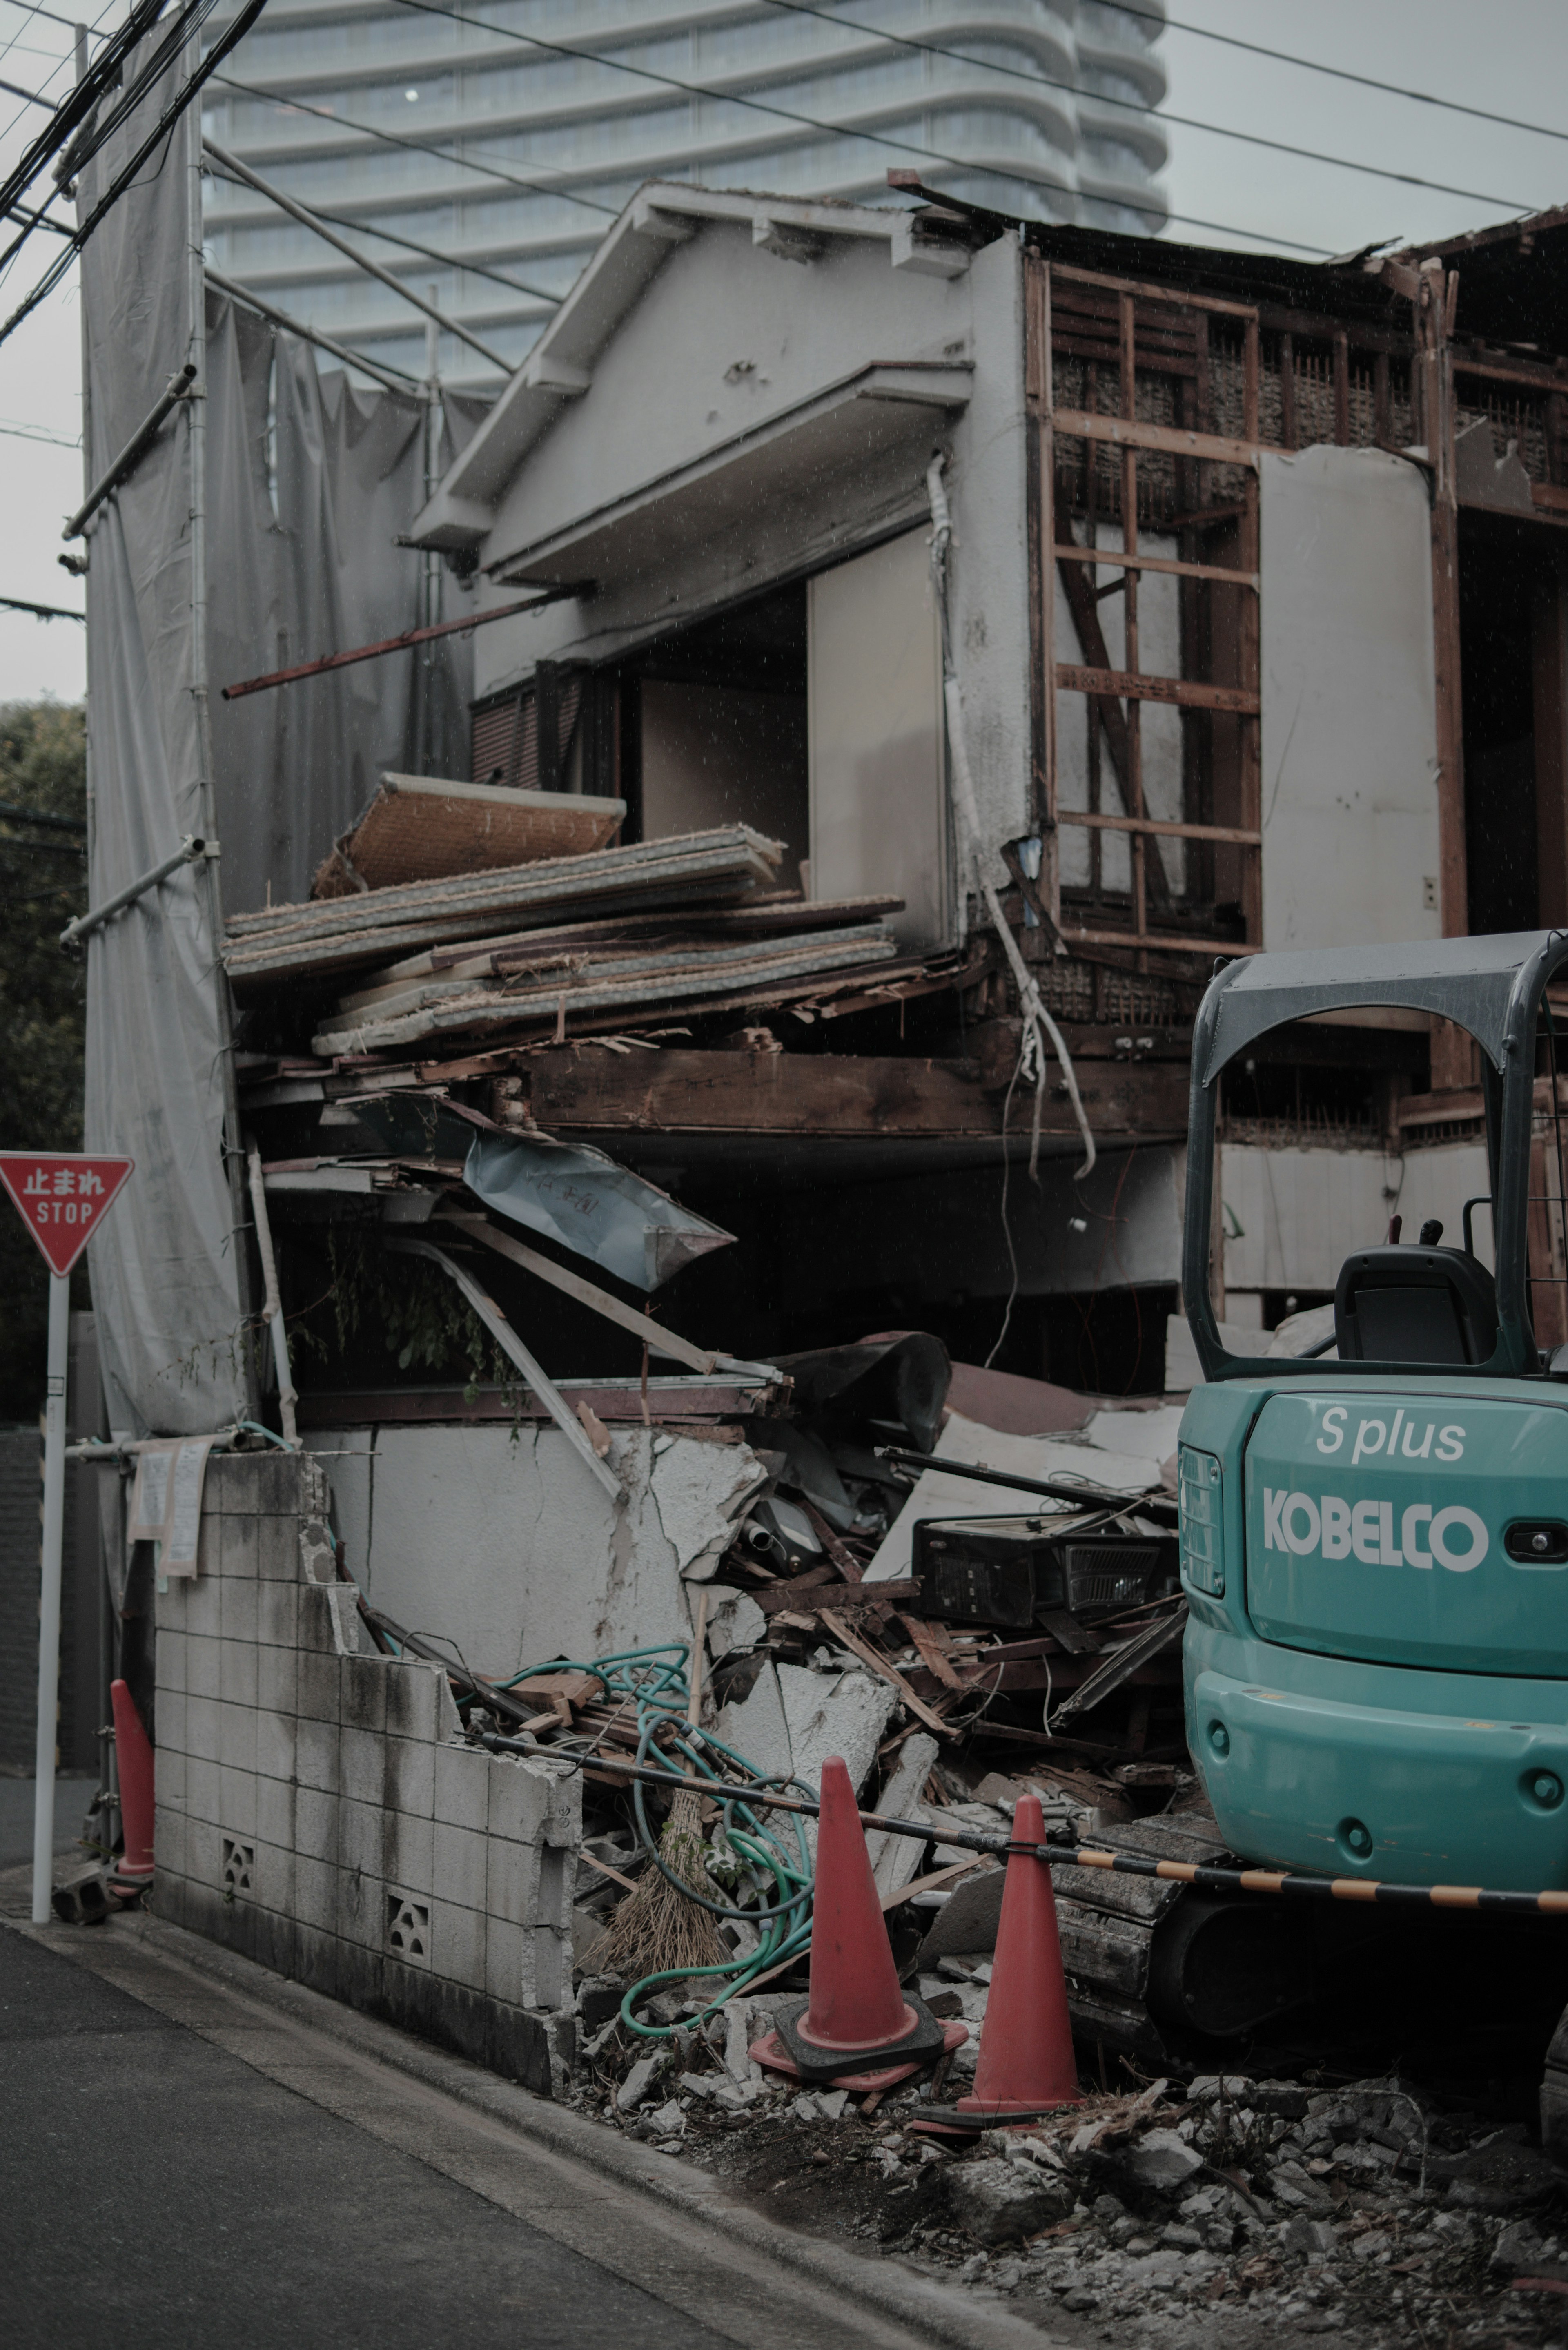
{"points": [[856, 2015], [133, 1753], [1026, 2062]]}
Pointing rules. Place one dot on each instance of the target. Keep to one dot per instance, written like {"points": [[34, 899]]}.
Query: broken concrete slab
{"points": [[895, 1858], [699, 1490], [999, 2202]]}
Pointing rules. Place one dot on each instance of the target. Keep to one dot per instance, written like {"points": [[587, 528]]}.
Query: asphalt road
{"points": [[157, 2190]]}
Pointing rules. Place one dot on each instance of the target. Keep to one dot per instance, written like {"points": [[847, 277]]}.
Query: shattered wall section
{"points": [[316, 1808], [504, 1544]]}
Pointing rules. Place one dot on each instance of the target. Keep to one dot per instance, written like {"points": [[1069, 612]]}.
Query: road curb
{"points": [[944, 2315]]}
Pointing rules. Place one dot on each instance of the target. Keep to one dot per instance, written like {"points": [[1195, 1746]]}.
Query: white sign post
{"points": [[63, 1197]]}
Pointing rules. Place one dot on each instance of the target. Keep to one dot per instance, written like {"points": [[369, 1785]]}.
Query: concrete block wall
{"points": [[318, 1809]]}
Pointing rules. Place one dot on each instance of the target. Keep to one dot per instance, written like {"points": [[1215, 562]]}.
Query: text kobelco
{"points": [[1327, 1525]]}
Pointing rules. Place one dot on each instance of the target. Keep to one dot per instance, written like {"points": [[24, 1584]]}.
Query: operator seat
{"points": [[1415, 1305]]}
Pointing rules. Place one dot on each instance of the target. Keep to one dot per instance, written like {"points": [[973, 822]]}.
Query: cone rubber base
{"points": [[921, 2046], [773, 2051]]}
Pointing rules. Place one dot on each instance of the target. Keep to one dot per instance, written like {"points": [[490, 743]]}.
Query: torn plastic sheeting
{"points": [[600, 1209]]}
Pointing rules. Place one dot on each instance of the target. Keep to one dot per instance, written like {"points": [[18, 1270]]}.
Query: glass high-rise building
{"points": [[507, 134]]}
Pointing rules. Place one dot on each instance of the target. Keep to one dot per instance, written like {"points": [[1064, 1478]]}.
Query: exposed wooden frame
{"points": [[1114, 559], [1166, 830], [1135, 685], [1168, 440]]}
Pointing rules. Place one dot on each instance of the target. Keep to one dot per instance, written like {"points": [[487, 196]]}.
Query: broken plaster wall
{"points": [[504, 1545], [318, 1810]]}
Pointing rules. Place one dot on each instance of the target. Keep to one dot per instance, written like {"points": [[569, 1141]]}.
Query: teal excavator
{"points": [[1374, 1545]]}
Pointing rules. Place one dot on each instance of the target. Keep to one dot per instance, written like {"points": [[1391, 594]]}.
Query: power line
{"points": [[420, 146], [1339, 73], [39, 612], [36, 433], [116, 188], [905, 146], [1131, 105], [428, 253]]}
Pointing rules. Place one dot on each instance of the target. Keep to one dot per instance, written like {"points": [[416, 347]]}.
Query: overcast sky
{"points": [[1511, 57]]}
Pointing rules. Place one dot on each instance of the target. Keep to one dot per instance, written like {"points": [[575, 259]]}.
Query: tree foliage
{"points": [[42, 882]]}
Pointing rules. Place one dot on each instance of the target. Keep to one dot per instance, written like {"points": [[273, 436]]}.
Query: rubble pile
{"points": [[1315, 2205]]}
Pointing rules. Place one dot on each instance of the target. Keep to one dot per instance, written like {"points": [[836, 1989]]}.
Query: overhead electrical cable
{"points": [[78, 103], [907, 148], [107, 201], [427, 252], [540, 187], [1339, 73], [1130, 105]]}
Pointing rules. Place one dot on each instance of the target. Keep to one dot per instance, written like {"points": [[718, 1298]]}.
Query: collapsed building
{"points": [[659, 1097]]}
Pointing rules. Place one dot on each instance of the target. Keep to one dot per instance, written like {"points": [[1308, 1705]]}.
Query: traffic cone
{"points": [[133, 1752], [1026, 2062], [856, 2016]]}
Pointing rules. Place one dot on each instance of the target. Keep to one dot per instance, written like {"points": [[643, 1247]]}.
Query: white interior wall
{"points": [[876, 731], [1349, 713], [507, 1546], [1160, 652], [715, 754], [1302, 1213]]}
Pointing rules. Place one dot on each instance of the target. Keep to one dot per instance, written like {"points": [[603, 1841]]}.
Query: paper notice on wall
{"points": [[179, 1555], [150, 1494], [166, 1502]]}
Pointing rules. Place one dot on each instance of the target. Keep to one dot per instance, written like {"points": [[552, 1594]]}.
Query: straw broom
{"points": [[655, 1930]]}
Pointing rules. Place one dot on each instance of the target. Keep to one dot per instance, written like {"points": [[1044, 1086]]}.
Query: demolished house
{"points": [[660, 1240]]}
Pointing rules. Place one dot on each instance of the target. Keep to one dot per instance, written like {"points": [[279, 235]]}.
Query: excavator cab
{"points": [[1374, 1532]]}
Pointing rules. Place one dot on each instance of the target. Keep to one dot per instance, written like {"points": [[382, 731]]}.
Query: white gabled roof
{"points": [[662, 215]]}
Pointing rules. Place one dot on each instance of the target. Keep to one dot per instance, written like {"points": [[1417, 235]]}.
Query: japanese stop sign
{"points": [[63, 1196]]}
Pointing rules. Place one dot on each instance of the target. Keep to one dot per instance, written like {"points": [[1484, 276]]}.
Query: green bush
{"points": [[42, 882]]}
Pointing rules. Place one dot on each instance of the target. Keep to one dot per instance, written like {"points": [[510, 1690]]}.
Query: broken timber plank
{"points": [[879, 1665], [832, 1095]]}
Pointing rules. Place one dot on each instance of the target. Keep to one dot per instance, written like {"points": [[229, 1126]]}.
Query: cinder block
{"points": [[519, 1799], [277, 1549], [277, 1679], [237, 1736], [275, 1743], [204, 1728], [315, 1824], [460, 1866], [317, 1625], [275, 1811], [463, 1786], [503, 1960], [203, 1603], [203, 1664], [237, 1673], [172, 1712], [277, 1614], [362, 1765], [169, 1777], [361, 1910], [316, 1754], [237, 1801], [409, 1853], [204, 1852], [363, 1698], [209, 1542], [512, 1881], [171, 1655], [410, 1776], [411, 1698], [550, 1957], [316, 1893], [359, 1837], [320, 1680], [273, 1877], [237, 1547], [169, 1840], [237, 1604], [201, 1790], [457, 1943]]}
